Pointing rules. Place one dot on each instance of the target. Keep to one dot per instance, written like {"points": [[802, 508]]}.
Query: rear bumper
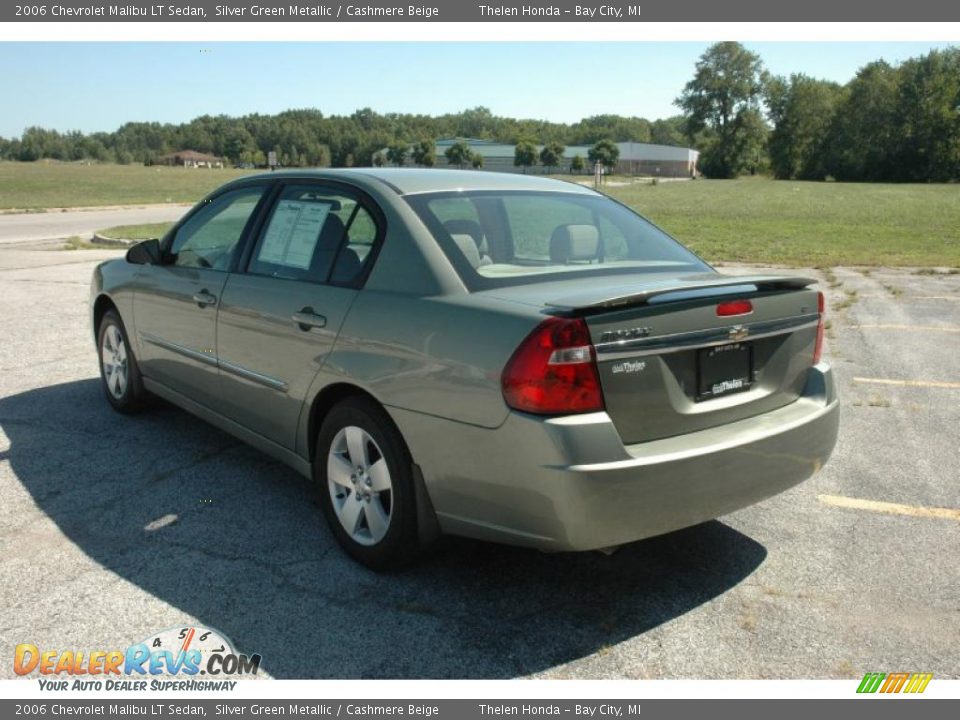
{"points": [[570, 484]]}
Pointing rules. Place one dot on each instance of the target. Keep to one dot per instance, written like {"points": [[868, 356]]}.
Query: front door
{"points": [[176, 303], [279, 318]]}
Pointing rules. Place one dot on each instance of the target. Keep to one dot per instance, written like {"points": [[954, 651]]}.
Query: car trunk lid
{"points": [[671, 362]]}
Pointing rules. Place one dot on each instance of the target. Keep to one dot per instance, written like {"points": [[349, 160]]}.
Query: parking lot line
{"points": [[927, 328], [889, 508], [909, 383], [936, 297]]}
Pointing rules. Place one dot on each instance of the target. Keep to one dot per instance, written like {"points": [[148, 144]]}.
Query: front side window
{"points": [[209, 238], [513, 237], [316, 234]]}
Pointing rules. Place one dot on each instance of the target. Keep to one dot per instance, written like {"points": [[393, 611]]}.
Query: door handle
{"points": [[307, 319], [204, 298]]}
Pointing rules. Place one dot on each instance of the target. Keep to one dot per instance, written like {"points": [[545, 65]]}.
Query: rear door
{"points": [[280, 316], [175, 305]]}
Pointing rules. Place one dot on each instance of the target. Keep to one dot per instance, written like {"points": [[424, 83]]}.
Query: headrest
{"points": [[465, 227], [571, 243], [468, 247], [347, 267], [332, 233], [468, 227]]}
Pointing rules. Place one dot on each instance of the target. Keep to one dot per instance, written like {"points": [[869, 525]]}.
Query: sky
{"points": [[99, 86]]}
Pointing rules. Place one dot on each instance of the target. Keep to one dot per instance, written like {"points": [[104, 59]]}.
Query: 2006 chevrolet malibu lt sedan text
{"points": [[503, 357]]}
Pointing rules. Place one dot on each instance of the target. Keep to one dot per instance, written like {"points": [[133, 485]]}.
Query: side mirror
{"points": [[145, 253]]}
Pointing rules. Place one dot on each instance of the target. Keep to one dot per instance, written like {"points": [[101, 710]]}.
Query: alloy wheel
{"points": [[360, 485], [113, 356]]}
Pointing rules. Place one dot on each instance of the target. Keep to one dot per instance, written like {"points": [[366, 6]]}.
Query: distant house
{"points": [[635, 158], [191, 158]]}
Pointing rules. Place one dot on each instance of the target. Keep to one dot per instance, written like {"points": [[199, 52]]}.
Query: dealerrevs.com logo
{"points": [[187, 658]]}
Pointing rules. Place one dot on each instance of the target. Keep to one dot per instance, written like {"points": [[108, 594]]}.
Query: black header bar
{"points": [[472, 11]]}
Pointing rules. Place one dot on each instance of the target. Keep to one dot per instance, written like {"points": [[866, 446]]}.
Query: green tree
{"points": [[525, 155], [619, 129], [668, 131], [477, 122], [577, 164], [551, 155], [801, 110], [238, 141], [722, 106], [606, 153], [928, 117], [397, 153], [458, 154], [424, 153], [864, 136], [476, 161], [379, 160]]}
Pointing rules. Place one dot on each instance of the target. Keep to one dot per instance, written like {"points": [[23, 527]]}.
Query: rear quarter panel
{"points": [[440, 355]]}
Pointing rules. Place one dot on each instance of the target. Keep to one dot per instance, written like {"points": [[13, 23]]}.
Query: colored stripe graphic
{"points": [[918, 682], [895, 682], [870, 682]]}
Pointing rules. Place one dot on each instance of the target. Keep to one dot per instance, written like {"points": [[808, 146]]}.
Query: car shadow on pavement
{"points": [[223, 534]]}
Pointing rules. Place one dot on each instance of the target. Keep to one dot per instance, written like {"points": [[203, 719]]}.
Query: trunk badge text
{"points": [[629, 366], [626, 334]]}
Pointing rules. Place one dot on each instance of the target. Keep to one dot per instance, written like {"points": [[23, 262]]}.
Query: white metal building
{"points": [[635, 158]]}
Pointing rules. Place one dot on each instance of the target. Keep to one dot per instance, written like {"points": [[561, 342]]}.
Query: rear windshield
{"points": [[513, 238]]}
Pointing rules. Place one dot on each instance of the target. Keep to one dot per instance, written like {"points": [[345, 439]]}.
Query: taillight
{"points": [[734, 307], [818, 346], [554, 371]]}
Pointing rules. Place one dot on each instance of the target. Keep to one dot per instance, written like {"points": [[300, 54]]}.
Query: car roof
{"points": [[409, 181]]}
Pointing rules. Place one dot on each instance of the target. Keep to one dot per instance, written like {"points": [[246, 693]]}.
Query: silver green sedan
{"points": [[503, 357]]}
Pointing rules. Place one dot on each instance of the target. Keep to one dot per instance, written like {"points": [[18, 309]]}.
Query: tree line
{"points": [[308, 138], [890, 123]]}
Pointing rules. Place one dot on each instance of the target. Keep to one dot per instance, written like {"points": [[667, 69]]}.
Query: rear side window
{"points": [[515, 237], [315, 234]]}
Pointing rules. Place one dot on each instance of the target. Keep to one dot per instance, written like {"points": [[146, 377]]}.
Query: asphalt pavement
{"points": [[54, 224], [113, 528]]}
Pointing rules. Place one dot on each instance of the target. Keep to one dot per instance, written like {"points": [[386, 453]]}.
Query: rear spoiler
{"points": [[604, 298]]}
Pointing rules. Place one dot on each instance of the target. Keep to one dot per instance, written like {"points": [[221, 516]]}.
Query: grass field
{"points": [[136, 232], [29, 186], [748, 220], [806, 223]]}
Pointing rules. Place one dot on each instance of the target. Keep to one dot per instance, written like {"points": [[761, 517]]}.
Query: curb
{"points": [[99, 239]]}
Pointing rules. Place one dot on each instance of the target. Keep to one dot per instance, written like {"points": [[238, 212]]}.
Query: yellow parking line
{"points": [[890, 508], [909, 383], [932, 328]]}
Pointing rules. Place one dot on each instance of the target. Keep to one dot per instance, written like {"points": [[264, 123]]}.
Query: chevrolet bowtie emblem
{"points": [[738, 333]]}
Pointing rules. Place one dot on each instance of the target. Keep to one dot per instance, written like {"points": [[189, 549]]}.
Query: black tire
{"points": [[400, 545], [132, 398]]}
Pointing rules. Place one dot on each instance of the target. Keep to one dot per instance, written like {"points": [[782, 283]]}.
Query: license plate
{"points": [[724, 370]]}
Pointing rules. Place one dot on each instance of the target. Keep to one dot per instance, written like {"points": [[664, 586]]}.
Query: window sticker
{"points": [[293, 233]]}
